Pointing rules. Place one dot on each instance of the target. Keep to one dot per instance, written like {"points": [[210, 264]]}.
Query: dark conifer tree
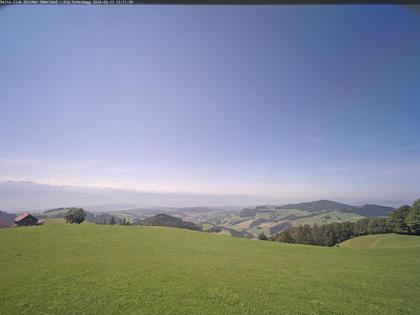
{"points": [[285, 237], [262, 237]]}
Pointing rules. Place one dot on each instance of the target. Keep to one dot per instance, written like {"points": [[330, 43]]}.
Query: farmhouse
{"points": [[26, 219]]}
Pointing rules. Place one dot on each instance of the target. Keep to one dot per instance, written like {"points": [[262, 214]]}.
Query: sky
{"points": [[281, 101]]}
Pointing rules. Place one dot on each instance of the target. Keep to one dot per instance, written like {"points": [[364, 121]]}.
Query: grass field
{"points": [[328, 217], [59, 221], [98, 269], [383, 241]]}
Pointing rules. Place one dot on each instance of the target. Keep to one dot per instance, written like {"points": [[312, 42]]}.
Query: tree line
{"points": [[404, 220]]}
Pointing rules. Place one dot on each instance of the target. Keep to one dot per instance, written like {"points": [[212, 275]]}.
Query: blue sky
{"points": [[284, 101]]}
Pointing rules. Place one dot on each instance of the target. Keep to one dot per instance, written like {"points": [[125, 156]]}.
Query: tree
{"points": [[316, 235], [300, 235], [124, 221], [361, 227], [329, 237], [112, 220], [347, 231], [413, 218], [285, 237], [397, 221], [304, 235], [262, 237], [75, 216], [377, 226]]}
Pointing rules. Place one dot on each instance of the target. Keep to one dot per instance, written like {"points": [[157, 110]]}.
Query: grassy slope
{"points": [[96, 269], [54, 221], [278, 216], [383, 241], [59, 221], [328, 217]]}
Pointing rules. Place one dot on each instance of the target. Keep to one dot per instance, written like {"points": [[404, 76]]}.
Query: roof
{"points": [[21, 217]]}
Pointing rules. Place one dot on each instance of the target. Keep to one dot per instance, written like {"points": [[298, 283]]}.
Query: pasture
{"points": [[102, 269], [382, 241]]}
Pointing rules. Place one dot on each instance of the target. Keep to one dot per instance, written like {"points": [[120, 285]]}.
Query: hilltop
{"points": [[103, 269]]}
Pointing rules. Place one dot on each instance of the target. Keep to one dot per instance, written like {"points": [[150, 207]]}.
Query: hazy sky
{"points": [[284, 101]]}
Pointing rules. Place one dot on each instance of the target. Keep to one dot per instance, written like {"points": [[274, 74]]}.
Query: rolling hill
{"points": [[250, 222], [383, 241], [102, 269], [316, 206], [169, 221], [244, 222], [368, 210]]}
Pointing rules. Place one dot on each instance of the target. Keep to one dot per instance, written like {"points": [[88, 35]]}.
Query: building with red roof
{"points": [[25, 220]]}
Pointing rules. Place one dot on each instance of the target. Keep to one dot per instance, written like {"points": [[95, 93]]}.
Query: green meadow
{"points": [[102, 269], [59, 221], [383, 241], [328, 217]]}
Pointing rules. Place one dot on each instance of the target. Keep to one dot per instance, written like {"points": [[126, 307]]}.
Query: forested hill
{"points": [[369, 210], [372, 211], [315, 206], [169, 221]]}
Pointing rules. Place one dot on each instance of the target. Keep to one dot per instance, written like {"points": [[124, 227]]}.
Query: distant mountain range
{"points": [[18, 196]]}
